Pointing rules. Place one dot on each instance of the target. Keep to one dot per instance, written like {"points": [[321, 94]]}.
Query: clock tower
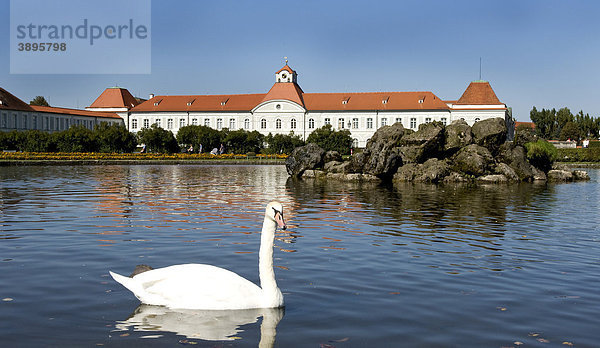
{"points": [[286, 74]]}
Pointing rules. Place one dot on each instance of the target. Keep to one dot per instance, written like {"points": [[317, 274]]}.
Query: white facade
{"points": [[49, 121]]}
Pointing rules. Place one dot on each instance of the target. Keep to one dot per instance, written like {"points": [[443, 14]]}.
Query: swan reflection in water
{"points": [[210, 325]]}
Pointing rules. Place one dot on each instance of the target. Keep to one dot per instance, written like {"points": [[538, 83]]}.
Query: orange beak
{"points": [[280, 221]]}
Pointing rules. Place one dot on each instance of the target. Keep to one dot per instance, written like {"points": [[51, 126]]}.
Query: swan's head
{"points": [[274, 211]]}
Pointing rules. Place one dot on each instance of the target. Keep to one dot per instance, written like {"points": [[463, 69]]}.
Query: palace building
{"points": [[284, 109], [18, 115]]}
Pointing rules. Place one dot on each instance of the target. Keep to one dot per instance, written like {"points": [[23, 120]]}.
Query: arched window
{"points": [[263, 124], [355, 143], [293, 123], [311, 123], [477, 119], [278, 124]]}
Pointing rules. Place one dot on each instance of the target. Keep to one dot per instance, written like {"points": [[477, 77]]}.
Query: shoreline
{"points": [[59, 162]]}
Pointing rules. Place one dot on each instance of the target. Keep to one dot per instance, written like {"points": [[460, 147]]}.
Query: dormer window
{"points": [[223, 102], [385, 100], [157, 102], [421, 99], [345, 100], [189, 103]]}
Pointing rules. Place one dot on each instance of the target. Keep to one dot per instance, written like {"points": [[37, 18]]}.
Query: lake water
{"points": [[359, 265]]}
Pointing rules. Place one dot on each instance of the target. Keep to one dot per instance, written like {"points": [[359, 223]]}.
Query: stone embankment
{"points": [[434, 154]]}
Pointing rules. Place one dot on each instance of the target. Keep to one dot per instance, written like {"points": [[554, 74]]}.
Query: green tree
{"points": [[541, 154], [570, 131], [114, 138], [282, 143], [196, 135], [40, 101], [331, 140], [76, 139], [545, 122], [241, 141], [563, 116], [158, 139], [38, 141]]}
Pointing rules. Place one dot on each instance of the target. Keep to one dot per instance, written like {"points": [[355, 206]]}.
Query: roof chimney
{"points": [[151, 95]]}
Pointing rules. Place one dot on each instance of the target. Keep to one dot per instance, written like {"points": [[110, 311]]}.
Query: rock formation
{"points": [[433, 154]]}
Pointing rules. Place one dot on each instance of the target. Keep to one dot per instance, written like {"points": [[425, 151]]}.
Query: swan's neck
{"points": [[265, 258]]}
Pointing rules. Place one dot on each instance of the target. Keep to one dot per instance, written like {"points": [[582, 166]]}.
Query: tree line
{"points": [[563, 125], [117, 139]]}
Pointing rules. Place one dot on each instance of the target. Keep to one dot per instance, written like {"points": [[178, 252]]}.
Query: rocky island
{"points": [[438, 154]]}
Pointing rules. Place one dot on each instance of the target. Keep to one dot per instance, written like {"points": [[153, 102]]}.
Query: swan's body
{"points": [[199, 286]]}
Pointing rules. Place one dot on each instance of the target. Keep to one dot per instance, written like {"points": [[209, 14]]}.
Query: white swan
{"points": [[198, 286]]}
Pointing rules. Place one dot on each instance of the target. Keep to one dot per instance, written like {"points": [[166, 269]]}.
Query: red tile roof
{"points": [[230, 102], [374, 101], [291, 91], [528, 124], [285, 91], [10, 102], [115, 97], [479, 93], [286, 68], [75, 112]]}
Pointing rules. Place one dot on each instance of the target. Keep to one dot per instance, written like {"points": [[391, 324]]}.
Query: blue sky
{"points": [[541, 53]]}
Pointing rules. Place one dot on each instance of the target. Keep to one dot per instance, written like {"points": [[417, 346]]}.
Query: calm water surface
{"points": [[359, 266]]}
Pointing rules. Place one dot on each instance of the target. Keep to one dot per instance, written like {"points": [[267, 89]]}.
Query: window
{"points": [[4, 121], [327, 121], [247, 123], [293, 123], [278, 124], [25, 121], [413, 122], [398, 120], [34, 124], [355, 123], [444, 121], [181, 122], [355, 143], [62, 123], [340, 123], [170, 123], [46, 122], [263, 124], [477, 119], [231, 123], [158, 123], [219, 123], [15, 123], [194, 121], [369, 123], [311, 123], [207, 122], [384, 121], [427, 119]]}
